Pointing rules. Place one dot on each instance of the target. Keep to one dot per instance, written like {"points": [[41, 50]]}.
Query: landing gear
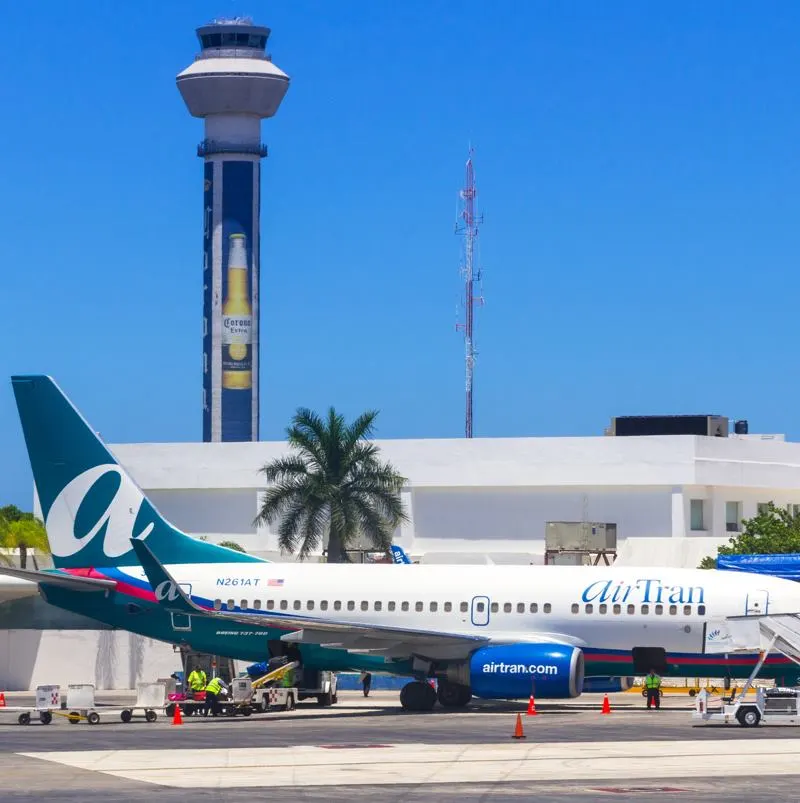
{"points": [[453, 695], [418, 696]]}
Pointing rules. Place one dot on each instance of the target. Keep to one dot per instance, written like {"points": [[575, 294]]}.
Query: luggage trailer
{"points": [[771, 706]]}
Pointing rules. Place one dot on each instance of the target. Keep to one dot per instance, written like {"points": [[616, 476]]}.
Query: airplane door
{"points": [[480, 611], [757, 603]]}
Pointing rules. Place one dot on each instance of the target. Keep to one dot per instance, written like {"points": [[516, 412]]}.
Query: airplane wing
{"points": [[69, 581], [352, 636]]}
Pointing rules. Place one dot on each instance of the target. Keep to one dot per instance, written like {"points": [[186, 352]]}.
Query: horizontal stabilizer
{"points": [[58, 579]]}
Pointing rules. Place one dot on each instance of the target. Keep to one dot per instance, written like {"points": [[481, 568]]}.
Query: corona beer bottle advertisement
{"points": [[238, 326]]}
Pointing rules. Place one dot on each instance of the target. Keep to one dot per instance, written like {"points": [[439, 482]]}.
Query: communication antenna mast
{"points": [[467, 225]]}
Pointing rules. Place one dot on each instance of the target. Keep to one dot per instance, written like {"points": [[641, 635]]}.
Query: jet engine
{"points": [[514, 671]]}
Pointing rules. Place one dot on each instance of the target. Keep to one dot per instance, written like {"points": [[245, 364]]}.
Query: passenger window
{"points": [[418, 606], [337, 605], [659, 610], [351, 606], [520, 607], [687, 610], [618, 609], [270, 604], [673, 609], [364, 605], [575, 607], [243, 604], [257, 604], [701, 609], [590, 608], [464, 607], [507, 607], [631, 610], [404, 606], [310, 605], [434, 607], [231, 604], [534, 607], [378, 606], [448, 606], [323, 606], [217, 604], [495, 607], [296, 605], [391, 606], [645, 609], [547, 607], [480, 607], [602, 608]]}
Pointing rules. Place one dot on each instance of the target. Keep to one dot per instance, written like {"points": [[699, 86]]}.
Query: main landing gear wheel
{"points": [[418, 696], [453, 695]]}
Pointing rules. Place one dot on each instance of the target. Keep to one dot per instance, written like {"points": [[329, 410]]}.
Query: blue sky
{"points": [[638, 166]]}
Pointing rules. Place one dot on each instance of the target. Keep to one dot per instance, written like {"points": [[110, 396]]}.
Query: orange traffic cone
{"points": [[2, 699], [177, 718], [531, 707], [518, 732], [606, 705]]}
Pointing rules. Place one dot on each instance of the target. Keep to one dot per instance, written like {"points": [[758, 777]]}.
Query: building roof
{"points": [[749, 461]]}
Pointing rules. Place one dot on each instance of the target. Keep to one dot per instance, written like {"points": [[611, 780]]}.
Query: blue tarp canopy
{"points": [[785, 566]]}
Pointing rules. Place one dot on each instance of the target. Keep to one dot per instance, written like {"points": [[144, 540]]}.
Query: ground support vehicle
{"points": [[772, 706], [149, 697], [48, 700]]}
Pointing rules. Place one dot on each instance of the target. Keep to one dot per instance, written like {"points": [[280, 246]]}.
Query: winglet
{"points": [[168, 592]]}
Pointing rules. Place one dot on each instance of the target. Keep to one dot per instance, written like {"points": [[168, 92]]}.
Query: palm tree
{"points": [[334, 484], [25, 533]]}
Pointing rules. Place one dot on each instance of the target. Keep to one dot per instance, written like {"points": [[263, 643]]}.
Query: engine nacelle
{"points": [[514, 671]]}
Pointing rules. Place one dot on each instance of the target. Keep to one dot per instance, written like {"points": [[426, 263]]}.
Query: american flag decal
{"points": [[274, 583]]}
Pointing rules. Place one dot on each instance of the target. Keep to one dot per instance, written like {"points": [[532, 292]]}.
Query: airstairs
{"points": [[767, 633]]}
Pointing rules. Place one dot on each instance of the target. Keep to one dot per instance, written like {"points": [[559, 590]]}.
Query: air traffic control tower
{"points": [[232, 85]]}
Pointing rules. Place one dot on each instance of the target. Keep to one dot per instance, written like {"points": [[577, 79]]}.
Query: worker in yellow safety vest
{"points": [[213, 690], [652, 684], [197, 680], [287, 681]]}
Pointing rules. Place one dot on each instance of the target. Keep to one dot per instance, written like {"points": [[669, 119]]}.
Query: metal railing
{"points": [[211, 146]]}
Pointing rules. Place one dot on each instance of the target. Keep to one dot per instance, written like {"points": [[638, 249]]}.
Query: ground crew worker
{"points": [[287, 681], [653, 685], [197, 680], [213, 691], [366, 682]]}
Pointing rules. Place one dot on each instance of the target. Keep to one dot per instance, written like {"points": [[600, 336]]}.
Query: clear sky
{"points": [[638, 166]]}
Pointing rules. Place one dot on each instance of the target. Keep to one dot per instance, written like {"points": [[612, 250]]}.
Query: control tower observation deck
{"points": [[232, 84]]}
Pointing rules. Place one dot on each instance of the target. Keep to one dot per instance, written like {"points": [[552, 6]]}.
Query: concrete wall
{"points": [[111, 659]]}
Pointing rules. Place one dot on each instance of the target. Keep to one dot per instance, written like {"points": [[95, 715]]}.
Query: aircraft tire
{"points": [[453, 695], [418, 696]]}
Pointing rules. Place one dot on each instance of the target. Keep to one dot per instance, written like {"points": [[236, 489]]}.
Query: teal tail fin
{"points": [[91, 506]]}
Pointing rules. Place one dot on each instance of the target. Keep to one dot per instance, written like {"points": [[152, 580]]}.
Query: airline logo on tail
{"points": [[398, 555], [116, 522]]}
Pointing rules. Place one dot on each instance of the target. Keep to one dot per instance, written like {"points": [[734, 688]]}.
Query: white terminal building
{"points": [[643, 500]]}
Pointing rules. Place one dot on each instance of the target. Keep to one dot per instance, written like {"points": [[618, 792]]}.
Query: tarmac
{"points": [[362, 749]]}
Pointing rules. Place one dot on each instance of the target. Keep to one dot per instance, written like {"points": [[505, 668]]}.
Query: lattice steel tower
{"points": [[471, 272]]}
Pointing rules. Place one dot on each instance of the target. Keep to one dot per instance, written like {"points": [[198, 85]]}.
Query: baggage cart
{"points": [[80, 704], [48, 699], [149, 697]]}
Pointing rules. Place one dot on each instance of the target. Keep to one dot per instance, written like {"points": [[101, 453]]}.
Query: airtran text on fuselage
{"points": [[644, 590]]}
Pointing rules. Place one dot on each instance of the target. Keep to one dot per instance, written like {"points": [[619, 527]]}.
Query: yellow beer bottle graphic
{"points": [[237, 320]]}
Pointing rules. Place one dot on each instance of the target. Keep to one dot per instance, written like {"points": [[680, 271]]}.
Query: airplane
{"points": [[492, 632]]}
